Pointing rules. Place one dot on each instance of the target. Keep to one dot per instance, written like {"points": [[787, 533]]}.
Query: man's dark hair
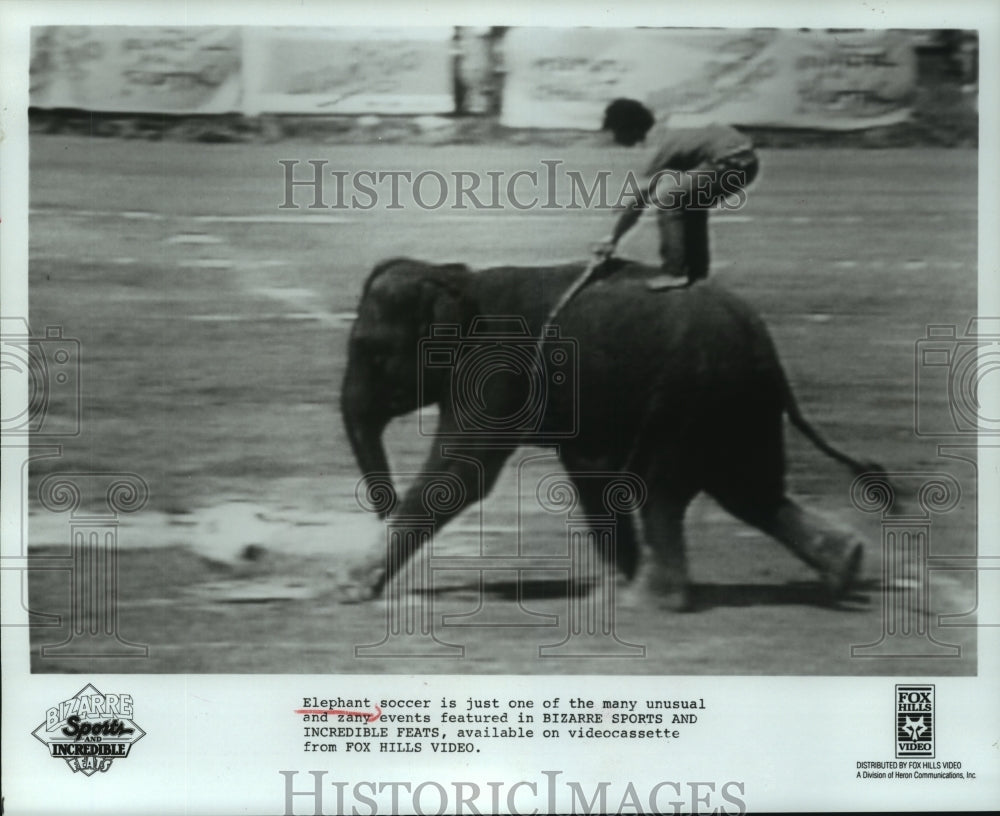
{"points": [[628, 120]]}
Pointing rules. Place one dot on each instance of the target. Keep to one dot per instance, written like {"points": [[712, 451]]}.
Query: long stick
{"points": [[571, 291], [568, 294]]}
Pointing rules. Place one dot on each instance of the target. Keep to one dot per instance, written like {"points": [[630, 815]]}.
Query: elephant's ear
{"points": [[446, 296]]}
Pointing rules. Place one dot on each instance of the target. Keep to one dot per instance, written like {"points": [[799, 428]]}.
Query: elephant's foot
{"points": [[361, 581], [643, 599], [840, 562], [834, 551], [676, 599], [669, 583], [658, 590]]}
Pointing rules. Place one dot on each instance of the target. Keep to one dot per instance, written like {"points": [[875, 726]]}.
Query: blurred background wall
{"points": [[910, 85]]}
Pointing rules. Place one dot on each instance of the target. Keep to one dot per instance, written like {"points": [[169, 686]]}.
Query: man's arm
{"points": [[626, 216]]}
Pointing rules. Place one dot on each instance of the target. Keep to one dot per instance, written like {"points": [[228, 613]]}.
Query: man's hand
{"points": [[605, 249]]}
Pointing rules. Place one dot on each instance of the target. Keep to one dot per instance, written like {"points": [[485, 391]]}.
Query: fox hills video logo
{"points": [[915, 724], [90, 730]]}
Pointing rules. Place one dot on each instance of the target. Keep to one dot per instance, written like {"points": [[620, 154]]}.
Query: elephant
{"points": [[681, 387]]}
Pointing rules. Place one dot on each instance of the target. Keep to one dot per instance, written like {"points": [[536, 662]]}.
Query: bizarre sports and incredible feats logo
{"points": [[90, 730]]}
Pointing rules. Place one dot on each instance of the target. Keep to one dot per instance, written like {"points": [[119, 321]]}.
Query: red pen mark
{"points": [[370, 716]]}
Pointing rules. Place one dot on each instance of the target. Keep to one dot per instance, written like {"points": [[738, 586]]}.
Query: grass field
{"points": [[213, 323]]}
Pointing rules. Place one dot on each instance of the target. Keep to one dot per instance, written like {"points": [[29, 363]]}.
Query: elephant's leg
{"points": [[751, 486], [666, 579], [625, 554], [834, 551], [446, 485]]}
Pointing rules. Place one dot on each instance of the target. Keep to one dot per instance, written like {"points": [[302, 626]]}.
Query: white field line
{"points": [[301, 302], [443, 214], [324, 219], [908, 264]]}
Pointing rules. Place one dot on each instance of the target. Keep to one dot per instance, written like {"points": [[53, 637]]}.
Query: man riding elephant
{"points": [[684, 390], [692, 171]]}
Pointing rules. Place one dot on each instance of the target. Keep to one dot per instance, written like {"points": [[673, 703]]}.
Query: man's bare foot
{"points": [[661, 282]]}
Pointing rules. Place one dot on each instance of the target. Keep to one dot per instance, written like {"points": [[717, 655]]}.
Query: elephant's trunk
{"points": [[365, 424]]}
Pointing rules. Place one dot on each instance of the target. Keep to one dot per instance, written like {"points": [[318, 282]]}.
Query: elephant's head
{"points": [[400, 302]]}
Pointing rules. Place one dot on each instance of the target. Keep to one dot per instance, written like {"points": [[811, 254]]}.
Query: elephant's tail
{"points": [[856, 466]]}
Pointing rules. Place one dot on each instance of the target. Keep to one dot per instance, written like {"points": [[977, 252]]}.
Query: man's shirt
{"points": [[687, 148]]}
